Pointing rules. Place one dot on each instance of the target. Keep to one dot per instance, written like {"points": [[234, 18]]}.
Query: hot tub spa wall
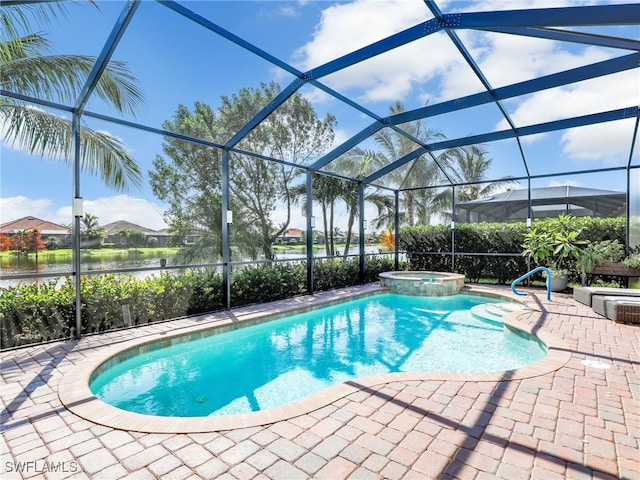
{"points": [[426, 284]]}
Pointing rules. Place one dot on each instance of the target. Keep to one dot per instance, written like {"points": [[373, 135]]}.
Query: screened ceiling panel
{"points": [[425, 71], [427, 170], [469, 122], [98, 19], [344, 119], [567, 78], [575, 100], [345, 28], [177, 70], [505, 159], [543, 57], [580, 149]]}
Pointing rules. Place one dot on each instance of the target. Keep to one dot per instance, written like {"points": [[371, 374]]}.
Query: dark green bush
{"points": [[428, 247]]}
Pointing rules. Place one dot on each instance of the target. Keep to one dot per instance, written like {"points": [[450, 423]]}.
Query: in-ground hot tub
{"points": [[428, 284]]}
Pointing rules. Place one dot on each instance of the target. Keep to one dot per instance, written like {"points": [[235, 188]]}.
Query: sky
{"points": [[179, 62]]}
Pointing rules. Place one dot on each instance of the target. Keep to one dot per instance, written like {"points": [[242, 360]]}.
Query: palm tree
{"points": [[326, 191], [469, 167], [423, 171], [28, 69], [91, 229], [356, 167]]}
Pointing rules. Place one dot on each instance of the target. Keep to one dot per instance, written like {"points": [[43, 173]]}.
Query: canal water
{"points": [[49, 264]]}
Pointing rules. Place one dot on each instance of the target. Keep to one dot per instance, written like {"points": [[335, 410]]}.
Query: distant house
{"points": [[48, 230], [112, 229], [292, 236]]}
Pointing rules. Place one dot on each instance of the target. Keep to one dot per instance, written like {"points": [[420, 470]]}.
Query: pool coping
{"points": [[75, 395]]}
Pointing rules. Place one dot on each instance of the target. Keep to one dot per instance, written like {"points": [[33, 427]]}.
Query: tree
{"points": [[28, 69], [126, 237], [357, 167], [92, 234], [469, 167], [189, 176], [4, 242], [27, 241], [326, 191], [417, 205]]}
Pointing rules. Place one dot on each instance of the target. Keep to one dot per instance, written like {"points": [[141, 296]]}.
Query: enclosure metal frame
{"points": [[547, 23]]}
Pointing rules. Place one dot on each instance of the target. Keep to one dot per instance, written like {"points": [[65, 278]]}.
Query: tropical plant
{"points": [[325, 191], [356, 167], [92, 234], [467, 168], [606, 251], [29, 69], [633, 260], [417, 204], [556, 240]]}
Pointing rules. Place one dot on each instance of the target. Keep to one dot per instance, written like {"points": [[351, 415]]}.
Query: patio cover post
{"points": [[75, 231], [396, 227], [310, 226], [362, 229], [226, 247], [453, 228]]}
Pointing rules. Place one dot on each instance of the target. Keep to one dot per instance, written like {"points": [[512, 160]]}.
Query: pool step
{"points": [[507, 306], [494, 312]]}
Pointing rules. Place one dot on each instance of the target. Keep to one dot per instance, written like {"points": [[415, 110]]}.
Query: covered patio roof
{"points": [[512, 205]]}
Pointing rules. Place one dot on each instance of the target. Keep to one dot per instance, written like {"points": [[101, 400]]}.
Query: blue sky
{"points": [[178, 62]]}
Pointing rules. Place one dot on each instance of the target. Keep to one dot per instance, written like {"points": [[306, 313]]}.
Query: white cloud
{"points": [[123, 207], [337, 32], [388, 76], [603, 142], [508, 59], [430, 68], [109, 209], [590, 96], [607, 142], [488, 5], [12, 208]]}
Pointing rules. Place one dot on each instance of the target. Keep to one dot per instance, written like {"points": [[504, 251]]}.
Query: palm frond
{"points": [[47, 135], [62, 77], [20, 47]]}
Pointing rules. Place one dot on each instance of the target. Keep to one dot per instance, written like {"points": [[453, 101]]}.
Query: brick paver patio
{"points": [[576, 422]]}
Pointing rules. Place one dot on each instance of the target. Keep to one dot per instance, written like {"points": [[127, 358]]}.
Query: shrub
{"points": [[633, 261], [38, 312], [428, 247]]}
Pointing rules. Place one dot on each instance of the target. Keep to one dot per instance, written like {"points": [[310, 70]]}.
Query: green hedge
{"points": [[489, 238], [41, 312]]}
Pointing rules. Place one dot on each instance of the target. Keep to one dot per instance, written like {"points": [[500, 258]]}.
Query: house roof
{"points": [[113, 227], [29, 223]]}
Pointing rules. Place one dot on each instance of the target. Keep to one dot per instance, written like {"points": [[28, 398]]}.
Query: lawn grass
{"points": [[97, 253]]}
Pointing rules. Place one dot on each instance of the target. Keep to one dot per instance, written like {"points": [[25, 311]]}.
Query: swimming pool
{"points": [[283, 361]]}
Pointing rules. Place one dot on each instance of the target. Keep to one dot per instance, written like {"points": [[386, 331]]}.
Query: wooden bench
{"points": [[615, 270]]}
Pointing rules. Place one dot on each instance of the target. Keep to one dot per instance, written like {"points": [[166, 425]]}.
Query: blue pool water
{"points": [[281, 361]]}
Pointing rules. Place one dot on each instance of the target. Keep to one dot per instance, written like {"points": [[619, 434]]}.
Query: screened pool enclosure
{"points": [[228, 131]]}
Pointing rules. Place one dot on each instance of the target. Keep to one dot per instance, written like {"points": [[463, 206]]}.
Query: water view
{"points": [[56, 262]]}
